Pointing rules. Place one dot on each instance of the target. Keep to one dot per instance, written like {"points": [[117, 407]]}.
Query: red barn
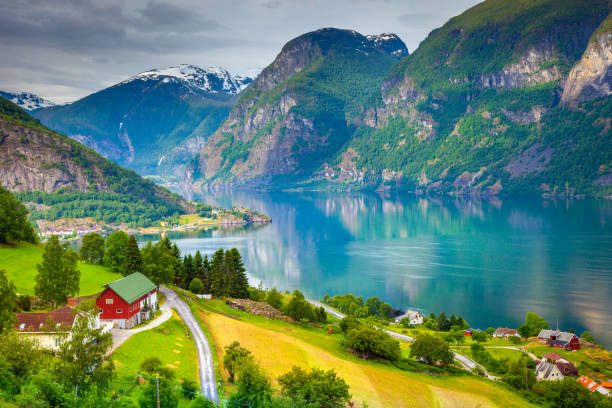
{"points": [[128, 301]]}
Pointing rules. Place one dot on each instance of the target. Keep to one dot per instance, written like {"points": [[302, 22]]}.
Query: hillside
{"points": [[51, 169], [508, 98], [26, 101], [300, 110], [153, 122]]}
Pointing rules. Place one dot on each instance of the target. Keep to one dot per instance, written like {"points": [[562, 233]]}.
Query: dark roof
{"points": [[567, 369], [35, 322], [559, 342], [132, 287], [551, 356]]}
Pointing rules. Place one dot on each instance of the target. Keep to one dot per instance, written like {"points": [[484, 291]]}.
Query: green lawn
{"points": [[167, 342], [20, 262]]}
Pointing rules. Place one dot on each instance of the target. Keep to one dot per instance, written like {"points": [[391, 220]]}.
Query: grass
{"points": [[278, 346], [594, 363], [168, 342], [20, 262]]}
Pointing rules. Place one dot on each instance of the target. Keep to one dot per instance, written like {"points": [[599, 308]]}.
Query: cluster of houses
{"points": [[413, 316], [122, 304]]}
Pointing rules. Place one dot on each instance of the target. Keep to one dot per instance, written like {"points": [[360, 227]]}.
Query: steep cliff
{"points": [[591, 77], [300, 110], [35, 159]]}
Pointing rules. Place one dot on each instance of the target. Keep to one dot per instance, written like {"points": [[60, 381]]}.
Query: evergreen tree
{"points": [[7, 302], [238, 283], [217, 274], [116, 247], [205, 278], [188, 271], [178, 265], [58, 276], [198, 265], [158, 262], [133, 260]]}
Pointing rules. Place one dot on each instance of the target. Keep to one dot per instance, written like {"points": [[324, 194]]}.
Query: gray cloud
{"points": [[66, 49]]}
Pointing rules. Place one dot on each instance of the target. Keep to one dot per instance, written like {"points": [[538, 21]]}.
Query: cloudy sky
{"points": [[66, 49]]}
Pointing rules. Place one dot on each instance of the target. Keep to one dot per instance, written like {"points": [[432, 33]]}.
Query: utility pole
{"points": [[157, 383]]}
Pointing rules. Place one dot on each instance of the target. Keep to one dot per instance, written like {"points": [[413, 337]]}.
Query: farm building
{"points": [[559, 339], [592, 385], [413, 316], [565, 367], [548, 371], [505, 332], [128, 301]]}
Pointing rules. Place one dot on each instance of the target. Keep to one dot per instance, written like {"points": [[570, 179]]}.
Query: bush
{"points": [[432, 349], [515, 339], [372, 342], [479, 337], [24, 302], [196, 286], [349, 323], [275, 299], [202, 402], [189, 388], [317, 388]]}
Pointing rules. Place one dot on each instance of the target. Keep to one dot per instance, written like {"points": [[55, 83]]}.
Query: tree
{"points": [[92, 248], [188, 272], [373, 342], [196, 286], [14, 224], [237, 281], [217, 274], [490, 330], [443, 322], [587, 336], [349, 323], [201, 401], [432, 349], [519, 375], [58, 276], [479, 337], [298, 308], [455, 335], [316, 388], [158, 262], [275, 299], [568, 393], [7, 302], [532, 326], [205, 275], [320, 315], [198, 265], [168, 397], [133, 260], [116, 249], [84, 361], [235, 357], [253, 388]]}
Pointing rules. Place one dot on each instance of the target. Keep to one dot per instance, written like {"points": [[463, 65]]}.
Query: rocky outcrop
{"points": [[532, 116], [591, 77]]}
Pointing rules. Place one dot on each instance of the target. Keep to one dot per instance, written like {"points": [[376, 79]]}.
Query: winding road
{"points": [[464, 361], [206, 366]]}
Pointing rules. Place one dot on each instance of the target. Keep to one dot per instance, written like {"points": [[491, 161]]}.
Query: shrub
{"points": [[372, 342], [189, 388], [349, 323], [432, 349], [196, 286], [317, 388]]}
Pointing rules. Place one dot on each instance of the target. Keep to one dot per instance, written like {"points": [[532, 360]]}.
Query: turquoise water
{"points": [[490, 261]]}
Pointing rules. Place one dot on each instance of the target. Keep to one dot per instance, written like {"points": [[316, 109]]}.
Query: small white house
{"points": [[415, 317], [548, 371]]}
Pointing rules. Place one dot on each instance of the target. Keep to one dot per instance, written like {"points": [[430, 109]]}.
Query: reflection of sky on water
{"points": [[490, 261]]}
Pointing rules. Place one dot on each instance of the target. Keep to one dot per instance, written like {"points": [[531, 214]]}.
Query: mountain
{"points": [[152, 122], [508, 98], [26, 101], [46, 167], [300, 111]]}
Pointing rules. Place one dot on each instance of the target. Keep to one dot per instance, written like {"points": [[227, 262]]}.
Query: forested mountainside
{"points": [[46, 167], [301, 110], [510, 97], [153, 122]]}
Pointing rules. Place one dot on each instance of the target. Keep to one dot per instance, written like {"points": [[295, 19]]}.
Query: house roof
{"points": [[551, 356], [607, 384], [545, 369], [506, 331], [567, 368], [132, 287], [563, 336], [36, 322]]}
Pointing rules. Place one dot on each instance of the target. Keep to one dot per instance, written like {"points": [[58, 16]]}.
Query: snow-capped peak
{"points": [[212, 79], [390, 43], [26, 101]]}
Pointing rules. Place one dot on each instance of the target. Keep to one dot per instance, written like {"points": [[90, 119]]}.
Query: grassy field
{"points": [[595, 363], [20, 262], [278, 346], [167, 342]]}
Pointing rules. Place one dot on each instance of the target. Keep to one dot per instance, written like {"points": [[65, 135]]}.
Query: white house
{"points": [[414, 317], [548, 371]]}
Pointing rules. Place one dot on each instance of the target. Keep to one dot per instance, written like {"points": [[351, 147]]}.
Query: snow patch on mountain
{"points": [[26, 101], [390, 43], [212, 79]]}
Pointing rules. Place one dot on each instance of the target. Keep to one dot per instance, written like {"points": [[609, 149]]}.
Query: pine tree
{"points": [[238, 283], [58, 276], [188, 271], [206, 278], [217, 274], [133, 260]]}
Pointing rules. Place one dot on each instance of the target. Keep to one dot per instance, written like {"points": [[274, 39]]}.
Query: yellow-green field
{"points": [[594, 363], [20, 262], [278, 346]]}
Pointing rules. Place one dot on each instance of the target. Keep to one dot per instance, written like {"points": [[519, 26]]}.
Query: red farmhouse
{"points": [[128, 301], [559, 339]]}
